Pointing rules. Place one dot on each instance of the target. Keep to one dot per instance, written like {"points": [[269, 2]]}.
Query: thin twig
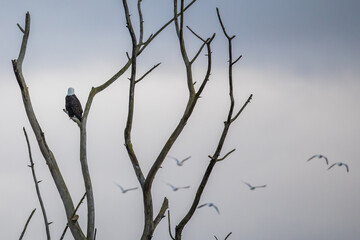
{"points": [[228, 235], [180, 32], [220, 159], [236, 60], [242, 108], [225, 237], [21, 29], [37, 186], [169, 225], [200, 49], [222, 25], [150, 70], [193, 32], [26, 224], [70, 219], [161, 214], [198, 53], [209, 65]]}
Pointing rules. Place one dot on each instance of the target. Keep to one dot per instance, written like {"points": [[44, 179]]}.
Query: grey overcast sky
{"points": [[301, 62]]}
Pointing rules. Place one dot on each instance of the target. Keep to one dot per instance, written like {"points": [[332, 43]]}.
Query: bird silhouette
{"points": [[340, 164], [253, 187], [319, 156], [123, 190], [180, 162], [210, 205], [176, 188]]}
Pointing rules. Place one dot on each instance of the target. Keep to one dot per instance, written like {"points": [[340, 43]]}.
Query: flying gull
{"points": [[177, 188], [209, 205], [123, 190], [180, 162], [254, 187], [319, 156], [340, 164]]}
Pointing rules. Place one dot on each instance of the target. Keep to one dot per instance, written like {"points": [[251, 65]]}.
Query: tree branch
{"points": [[225, 237], [40, 137], [208, 71], [228, 235], [242, 108], [180, 32], [161, 214], [73, 118], [179, 228], [87, 182], [26, 224], [236, 60], [141, 23], [222, 25], [86, 174], [143, 76], [37, 186], [196, 35], [169, 225], [147, 198], [128, 128], [220, 159], [215, 157], [192, 100], [72, 217], [200, 49], [21, 29]]}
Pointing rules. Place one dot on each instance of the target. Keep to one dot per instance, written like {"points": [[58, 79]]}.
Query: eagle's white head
{"points": [[71, 91]]}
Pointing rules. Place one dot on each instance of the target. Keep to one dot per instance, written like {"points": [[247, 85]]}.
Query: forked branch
{"points": [[129, 122], [192, 100], [215, 157]]}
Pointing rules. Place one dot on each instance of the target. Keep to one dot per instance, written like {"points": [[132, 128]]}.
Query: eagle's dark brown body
{"points": [[73, 106]]}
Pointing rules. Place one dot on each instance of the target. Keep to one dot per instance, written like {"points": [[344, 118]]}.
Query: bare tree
{"points": [[151, 219]]}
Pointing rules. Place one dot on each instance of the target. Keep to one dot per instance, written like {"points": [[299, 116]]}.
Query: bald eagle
{"points": [[73, 105]]}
